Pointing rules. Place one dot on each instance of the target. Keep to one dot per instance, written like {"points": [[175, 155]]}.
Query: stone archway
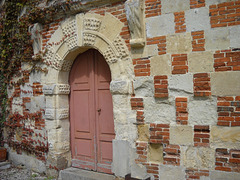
{"points": [[74, 36]]}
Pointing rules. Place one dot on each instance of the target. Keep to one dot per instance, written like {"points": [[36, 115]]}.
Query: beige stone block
{"points": [[110, 26], [56, 37], [63, 50], [155, 153], [149, 50], [181, 135], [179, 43], [79, 30], [161, 65], [101, 45], [143, 132], [225, 137], [198, 157], [200, 62], [225, 83]]}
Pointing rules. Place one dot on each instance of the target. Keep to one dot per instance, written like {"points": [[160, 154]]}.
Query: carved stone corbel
{"points": [[135, 17]]}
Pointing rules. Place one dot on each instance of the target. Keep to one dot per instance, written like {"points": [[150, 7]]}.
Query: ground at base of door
{"points": [[79, 174], [9, 171]]}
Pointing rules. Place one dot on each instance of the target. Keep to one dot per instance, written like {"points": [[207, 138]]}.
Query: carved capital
{"points": [[56, 89]]}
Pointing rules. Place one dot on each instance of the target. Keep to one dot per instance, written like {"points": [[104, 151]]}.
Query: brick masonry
{"points": [[179, 64], [198, 41], [227, 160], [161, 86], [197, 3], [225, 14], [159, 133], [202, 85], [201, 135], [228, 111], [172, 155], [137, 103], [227, 60], [141, 67], [152, 8], [192, 173], [179, 19], [161, 43], [181, 110]]}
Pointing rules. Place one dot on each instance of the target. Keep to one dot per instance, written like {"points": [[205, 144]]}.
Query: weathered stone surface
{"points": [[210, 2], [159, 112], [180, 83], [107, 23], [202, 111], [171, 6], [235, 36], [221, 175], [217, 38], [36, 37], [144, 86], [17, 105], [171, 172], [225, 83], [120, 165], [119, 87], [135, 17], [181, 135], [161, 65], [163, 25], [197, 19], [198, 157], [225, 137], [37, 103], [149, 50], [29, 161], [143, 132], [179, 43], [200, 62], [155, 153]]}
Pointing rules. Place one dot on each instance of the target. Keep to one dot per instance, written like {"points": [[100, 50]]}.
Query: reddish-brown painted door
{"points": [[91, 113]]}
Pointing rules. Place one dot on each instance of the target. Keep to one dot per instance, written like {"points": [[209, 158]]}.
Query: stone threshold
{"points": [[80, 174]]}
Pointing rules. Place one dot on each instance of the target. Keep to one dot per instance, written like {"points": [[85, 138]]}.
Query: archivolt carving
{"points": [[89, 28], [89, 39], [92, 24], [53, 59], [67, 64], [110, 55], [70, 28], [121, 48]]}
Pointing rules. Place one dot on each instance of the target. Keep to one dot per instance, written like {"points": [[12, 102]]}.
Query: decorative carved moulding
{"points": [[56, 89], [58, 114], [135, 17]]}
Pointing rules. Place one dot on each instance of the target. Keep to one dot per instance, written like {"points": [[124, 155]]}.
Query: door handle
{"points": [[99, 110]]}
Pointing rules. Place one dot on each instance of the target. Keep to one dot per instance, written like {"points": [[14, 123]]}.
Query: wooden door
{"points": [[91, 113]]}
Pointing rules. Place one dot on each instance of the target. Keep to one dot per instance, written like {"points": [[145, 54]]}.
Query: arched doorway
{"points": [[91, 112]]}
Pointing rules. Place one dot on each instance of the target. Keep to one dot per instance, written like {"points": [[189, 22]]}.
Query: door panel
{"points": [[91, 113]]}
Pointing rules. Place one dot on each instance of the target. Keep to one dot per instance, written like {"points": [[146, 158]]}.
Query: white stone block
{"points": [[197, 19], [217, 38], [160, 25], [161, 65], [234, 36], [144, 86], [202, 111]]}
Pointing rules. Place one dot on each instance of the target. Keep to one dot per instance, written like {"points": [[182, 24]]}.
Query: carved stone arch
{"points": [[74, 36], [89, 31]]}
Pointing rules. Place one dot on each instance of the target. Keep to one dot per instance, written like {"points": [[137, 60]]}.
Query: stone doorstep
{"points": [[79, 174], [4, 165]]}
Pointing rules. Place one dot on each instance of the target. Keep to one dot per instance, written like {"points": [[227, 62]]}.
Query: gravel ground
{"points": [[21, 173]]}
